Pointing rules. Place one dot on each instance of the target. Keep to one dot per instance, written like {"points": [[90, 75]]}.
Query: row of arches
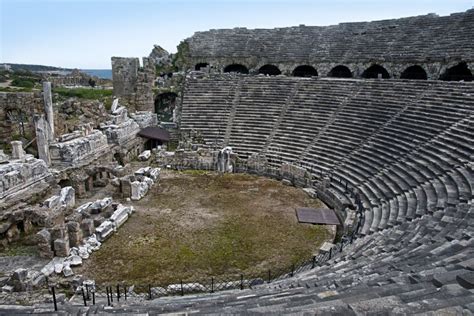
{"points": [[415, 72]]}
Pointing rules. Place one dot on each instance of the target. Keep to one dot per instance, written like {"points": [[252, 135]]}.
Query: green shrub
{"points": [[25, 83]]}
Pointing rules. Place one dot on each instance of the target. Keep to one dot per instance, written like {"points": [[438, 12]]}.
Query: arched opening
{"points": [[459, 72], [164, 106], [415, 73], [270, 70], [200, 65], [305, 71], [238, 68], [340, 72], [65, 183], [375, 71]]}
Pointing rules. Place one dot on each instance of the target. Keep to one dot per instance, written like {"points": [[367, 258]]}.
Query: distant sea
{"points": [[101, 73]]}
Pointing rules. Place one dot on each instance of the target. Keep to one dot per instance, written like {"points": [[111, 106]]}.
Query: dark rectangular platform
{"points": [[317, 216]]}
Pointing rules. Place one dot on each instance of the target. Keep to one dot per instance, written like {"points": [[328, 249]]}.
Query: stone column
{"points": [[42, 138], [48, 108], [17, 150]]}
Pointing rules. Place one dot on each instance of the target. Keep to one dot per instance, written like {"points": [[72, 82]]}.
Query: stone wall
{"points": [[16, 108], [430, 41], [134, 84]]}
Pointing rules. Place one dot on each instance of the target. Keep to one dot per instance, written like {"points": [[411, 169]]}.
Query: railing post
{"points": [[84, 296], [149, 291], [54, 299], [330, 253], [313, 262], [125, 291], [292, 270], [87, 291], [118, 293], [93, 297], [241, 281], [212, 285], [269, 275], [107, 292], [111, 294], [182, 289]]}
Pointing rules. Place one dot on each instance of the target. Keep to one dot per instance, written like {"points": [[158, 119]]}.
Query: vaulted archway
{"points": [[460, 72], [164, 106], [200, 65], [375, 71], [340, 71], [305, 71], [415, 73], [270, 70], [238, 68]]}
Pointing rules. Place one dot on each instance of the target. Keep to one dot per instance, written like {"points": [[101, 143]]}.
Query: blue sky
{"points": [[86, 33]]}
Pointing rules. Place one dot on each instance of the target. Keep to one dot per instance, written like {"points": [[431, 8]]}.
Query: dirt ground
{"points": [[199, 224]]}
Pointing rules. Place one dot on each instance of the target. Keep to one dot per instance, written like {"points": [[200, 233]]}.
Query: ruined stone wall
{"points": [[20, 179], [16, 108], [431, 41], [133, 84]]}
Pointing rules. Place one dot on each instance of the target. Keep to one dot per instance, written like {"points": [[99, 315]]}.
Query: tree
{"points": [[91, 82]]}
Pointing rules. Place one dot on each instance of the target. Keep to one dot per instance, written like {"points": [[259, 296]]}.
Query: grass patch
{"points": [[197, 224], [9, 89], [83, 93]]}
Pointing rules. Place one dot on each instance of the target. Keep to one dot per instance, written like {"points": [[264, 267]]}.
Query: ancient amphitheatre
{"points": [[174, 187]]}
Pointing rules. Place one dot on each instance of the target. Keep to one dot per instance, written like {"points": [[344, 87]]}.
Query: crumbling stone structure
{"points": [[75, 78], [345, 50], [134, 84], [16, 114]]}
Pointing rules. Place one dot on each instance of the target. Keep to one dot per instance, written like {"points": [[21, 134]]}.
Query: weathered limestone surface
{"points": [[15, 108], [144, 118], [19, 175], [224, 161], [134, 85], [43, 132], [48, 108], [80, 150]]}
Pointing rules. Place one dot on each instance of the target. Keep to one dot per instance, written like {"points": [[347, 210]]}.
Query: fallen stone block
{"points": [[104, 230], [68, 197], [83, 252], [120, 216], [74, 260], [52, 202], [100, 205], [139, 190], [19, 280], [144, 156], [67, 271], [93, 243], [87, 227], [61, 247], [84, 207], [154, 173]]}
